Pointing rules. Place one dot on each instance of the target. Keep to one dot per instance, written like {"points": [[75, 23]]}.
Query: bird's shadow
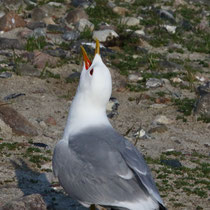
{"points": [[32, 182]]}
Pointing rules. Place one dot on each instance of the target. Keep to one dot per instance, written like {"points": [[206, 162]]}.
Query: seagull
{"points": [[94, 163]]}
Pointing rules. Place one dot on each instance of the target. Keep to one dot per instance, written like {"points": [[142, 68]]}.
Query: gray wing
{"points": [[135, 161], [100, 166]]}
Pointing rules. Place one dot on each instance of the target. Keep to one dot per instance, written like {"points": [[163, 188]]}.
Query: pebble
{"points": [[104, 35], [165, 14], [57, 52], [159, 128], [202, 107], [75, 15], [38, 14], [5, 74], [19, 124], [42, 145], [27, 69], [38, 32], [162, 119], [35, 24], [84, 24], [176, 80], [73, 77], [170, 29], [11, 20], [112, 107], [13, 95], [82, 3], [139, 33], [70, 35], [10, 44], [142, 134], [42, 59], [120, 10], [134, 77], [52, 28], [174, 163], [130, 21], [154, 83]]}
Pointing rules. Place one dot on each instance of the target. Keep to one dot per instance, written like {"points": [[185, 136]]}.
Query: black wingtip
{"points": [[161, 207]]}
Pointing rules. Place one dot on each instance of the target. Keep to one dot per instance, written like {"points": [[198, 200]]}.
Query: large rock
{"points": [[19, 124], [104, 35], [10, 44], [11, 20], [32, 202], [38, 14], [42, 59], [203, 103], [75, 15]]}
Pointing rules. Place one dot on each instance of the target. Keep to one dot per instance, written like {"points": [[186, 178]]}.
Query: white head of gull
{"points": [[95, 164]]}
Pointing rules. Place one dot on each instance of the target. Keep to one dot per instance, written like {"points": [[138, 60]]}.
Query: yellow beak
{"points": [[85, 56]]}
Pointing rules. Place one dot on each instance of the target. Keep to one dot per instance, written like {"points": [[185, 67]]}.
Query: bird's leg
{"points": [[92, 207]]}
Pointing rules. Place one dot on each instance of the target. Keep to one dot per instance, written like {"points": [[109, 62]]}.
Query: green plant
{"points": [[35, 43]]}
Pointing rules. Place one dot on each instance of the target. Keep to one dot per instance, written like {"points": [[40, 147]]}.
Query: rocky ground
{"points": [[158, 54]]}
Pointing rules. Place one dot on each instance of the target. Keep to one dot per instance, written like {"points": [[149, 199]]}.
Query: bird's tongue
{"points": [[85, 57]]}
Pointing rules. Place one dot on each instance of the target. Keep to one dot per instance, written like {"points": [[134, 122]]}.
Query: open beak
{"points": [[85, 56]]}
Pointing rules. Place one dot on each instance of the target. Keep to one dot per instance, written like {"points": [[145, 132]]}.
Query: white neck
{"points": [[83, 115]]}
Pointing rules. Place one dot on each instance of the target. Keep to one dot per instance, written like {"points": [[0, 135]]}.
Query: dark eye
{"points": [[91, 72]]}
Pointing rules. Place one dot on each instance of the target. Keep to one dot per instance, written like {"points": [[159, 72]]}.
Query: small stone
{"points": [[120, 10], [13, 95], [133, 77], [203, 106], [112, 107], [158, 128], [104, 35], [139, 33], [70, 35], [5, 74], [154, 83], [174, 163], [52, 28], [50, 121], [11, 20], [165, 14], [170, 29], [176, 80], [48, 20], [162, 119], [75, 15], [26, 69], [38, 14], [73, 77], [38, 32], [33, 201], [158, 106], [10, 44], [130, 21], [84, 24], [81, 3], [42, 59], [58, 52], [35, 24], [19, 124]]}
